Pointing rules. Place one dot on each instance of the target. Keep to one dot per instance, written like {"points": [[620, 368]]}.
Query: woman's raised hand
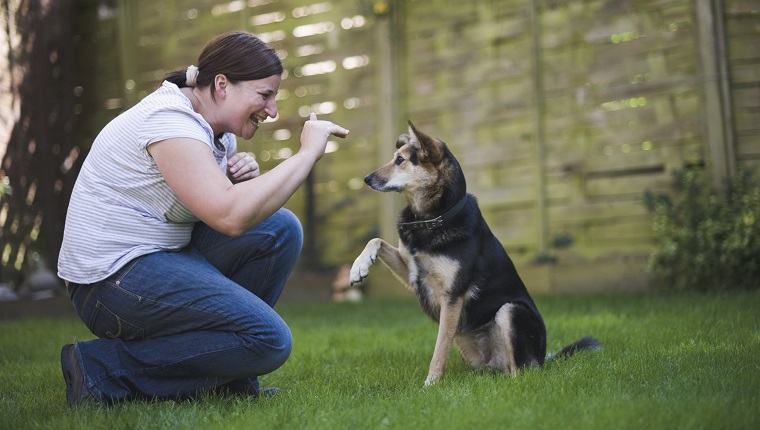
{"points": [[316, 133]]}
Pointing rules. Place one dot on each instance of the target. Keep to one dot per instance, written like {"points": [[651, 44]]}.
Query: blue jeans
{"points": [[170, 324]]}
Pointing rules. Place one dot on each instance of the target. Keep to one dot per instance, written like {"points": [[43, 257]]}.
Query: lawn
{"points": [[670, 361]]}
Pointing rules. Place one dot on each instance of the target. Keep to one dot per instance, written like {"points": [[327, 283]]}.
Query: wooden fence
{"points": [[561, 112], [564, 112]]}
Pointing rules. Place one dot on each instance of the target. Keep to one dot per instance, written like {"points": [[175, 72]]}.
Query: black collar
{"points": [[436, 222]]}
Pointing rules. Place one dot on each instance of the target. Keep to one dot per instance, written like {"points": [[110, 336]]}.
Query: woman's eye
{"points": [[399, 160]]}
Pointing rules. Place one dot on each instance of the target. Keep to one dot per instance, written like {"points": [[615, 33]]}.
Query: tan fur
{"points": [[418, 181], [476, 351], [447, 327], [503, 357], [439, 280], [492, 350]]}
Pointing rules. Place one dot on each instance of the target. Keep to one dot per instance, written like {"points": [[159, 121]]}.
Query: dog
{"points": [[459, 271]]}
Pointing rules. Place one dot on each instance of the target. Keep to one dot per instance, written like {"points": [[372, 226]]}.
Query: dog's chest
{"points": [[432, 278]]}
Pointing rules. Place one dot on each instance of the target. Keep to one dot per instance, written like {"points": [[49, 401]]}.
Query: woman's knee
{"points": [[284, 346], [289, 234], [290, 226], [272, 347]]}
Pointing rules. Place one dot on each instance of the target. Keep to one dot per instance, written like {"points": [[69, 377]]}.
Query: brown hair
{"points": [[238, 55]]}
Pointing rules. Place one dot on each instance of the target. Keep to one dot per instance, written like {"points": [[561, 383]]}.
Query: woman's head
{"points": [[238, 55]]}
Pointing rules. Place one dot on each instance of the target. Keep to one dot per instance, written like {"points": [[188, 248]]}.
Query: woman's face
{"points": [[248, 103]]}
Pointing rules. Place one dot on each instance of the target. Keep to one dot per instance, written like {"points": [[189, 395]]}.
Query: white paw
{"points": [[360, 268], [431, 379]]}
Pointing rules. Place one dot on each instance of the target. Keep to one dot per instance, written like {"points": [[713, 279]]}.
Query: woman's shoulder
{"points": [[167, 105], [167, 95]]}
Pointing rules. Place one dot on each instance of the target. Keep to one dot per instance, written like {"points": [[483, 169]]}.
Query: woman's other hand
{"points": [[242, 166]]}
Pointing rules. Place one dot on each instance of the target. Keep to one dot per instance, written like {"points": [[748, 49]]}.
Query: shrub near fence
{"points": [[707, 241], [561, 112]]}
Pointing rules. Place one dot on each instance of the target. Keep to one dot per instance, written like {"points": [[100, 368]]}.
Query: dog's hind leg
{"points": [[528, 337], [503, 354], [447, 327], [474, 349]]}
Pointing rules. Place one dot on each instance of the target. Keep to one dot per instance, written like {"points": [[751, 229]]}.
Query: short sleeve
{"points": [[171, 123]]}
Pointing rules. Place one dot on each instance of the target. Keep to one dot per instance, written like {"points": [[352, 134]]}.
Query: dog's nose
{"points": [[367, 179]]}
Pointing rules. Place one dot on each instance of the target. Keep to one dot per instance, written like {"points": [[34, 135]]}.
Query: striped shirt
{"points": [[121, 206]]}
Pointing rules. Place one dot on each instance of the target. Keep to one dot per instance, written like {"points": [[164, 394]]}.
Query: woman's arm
{"points": [[193, 174]]}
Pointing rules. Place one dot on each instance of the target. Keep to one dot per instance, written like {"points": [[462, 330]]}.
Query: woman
{"points": [[176, 248]]}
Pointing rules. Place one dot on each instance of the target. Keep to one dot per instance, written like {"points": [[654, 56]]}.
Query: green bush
{"points": [[706, 240]]}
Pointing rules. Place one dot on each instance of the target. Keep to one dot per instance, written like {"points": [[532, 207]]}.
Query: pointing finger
{"points": [[340, 132]]}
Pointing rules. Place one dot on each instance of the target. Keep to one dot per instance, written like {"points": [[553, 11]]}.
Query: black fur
{"points": [[586, 344]]}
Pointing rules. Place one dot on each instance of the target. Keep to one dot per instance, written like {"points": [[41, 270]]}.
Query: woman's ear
{"points": [[220, 85]]}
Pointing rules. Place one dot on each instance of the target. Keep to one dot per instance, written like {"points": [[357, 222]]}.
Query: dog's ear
{"points": [[427, 147], [402, 140]]}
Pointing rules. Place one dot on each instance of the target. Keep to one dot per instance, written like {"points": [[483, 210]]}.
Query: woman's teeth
{"points": [[256, 119]]}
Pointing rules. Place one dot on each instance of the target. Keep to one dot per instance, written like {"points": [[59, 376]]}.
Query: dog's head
{"points": [[422, 165]]}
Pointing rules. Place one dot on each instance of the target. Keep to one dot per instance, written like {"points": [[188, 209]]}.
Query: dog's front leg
{"points": [[447, 327], [390, 256]]}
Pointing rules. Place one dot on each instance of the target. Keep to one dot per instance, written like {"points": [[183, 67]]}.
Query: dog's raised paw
{"points": [[360, 268]]}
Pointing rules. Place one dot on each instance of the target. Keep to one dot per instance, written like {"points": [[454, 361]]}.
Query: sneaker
{"points": [[247, 387], [76, 389], [268, 392]]}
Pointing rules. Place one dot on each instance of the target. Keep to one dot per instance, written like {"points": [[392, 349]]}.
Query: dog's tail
{"points": [[588, 343]]}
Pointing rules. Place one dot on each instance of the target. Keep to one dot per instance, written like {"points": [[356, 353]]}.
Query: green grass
{"points": [[670, 362]]}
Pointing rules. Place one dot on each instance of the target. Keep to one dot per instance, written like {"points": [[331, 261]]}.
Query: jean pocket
{"points": [[105, 323]]}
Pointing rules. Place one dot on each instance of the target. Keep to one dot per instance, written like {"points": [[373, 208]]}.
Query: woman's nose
{"points": [[271, 109]]}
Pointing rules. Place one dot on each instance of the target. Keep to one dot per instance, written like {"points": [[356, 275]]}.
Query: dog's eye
{"points": [[399, 160]]}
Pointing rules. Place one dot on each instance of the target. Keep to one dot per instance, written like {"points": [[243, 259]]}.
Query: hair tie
{"points": [[191, 75]]}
